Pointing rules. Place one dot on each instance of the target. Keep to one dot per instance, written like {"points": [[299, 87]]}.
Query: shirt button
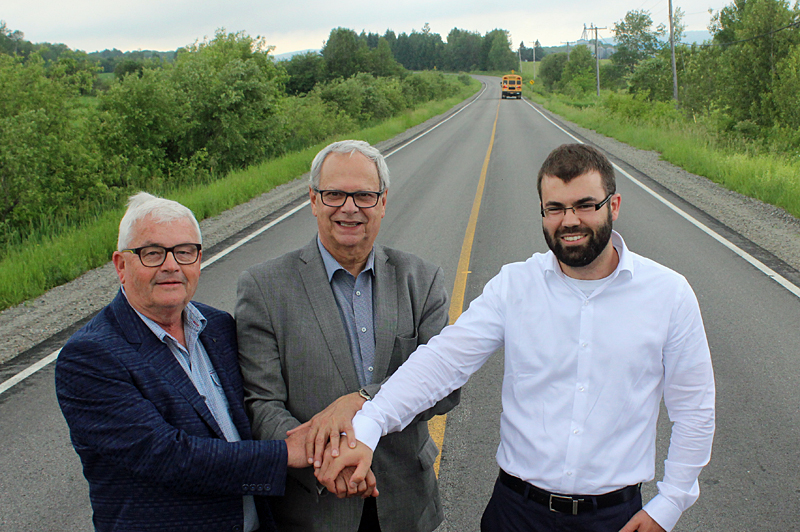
{"points": [[576, 431], [580, 388], [586, 303], [569, 473], [363, 329], [584, 344], [358, 292], [370, 368]]}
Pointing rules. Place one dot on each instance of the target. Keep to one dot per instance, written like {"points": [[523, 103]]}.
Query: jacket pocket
{"points": [[427, 455], [402, 349]]}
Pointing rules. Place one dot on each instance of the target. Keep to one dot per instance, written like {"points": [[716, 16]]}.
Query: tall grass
{"points": [[55, 255], [773, 178]]}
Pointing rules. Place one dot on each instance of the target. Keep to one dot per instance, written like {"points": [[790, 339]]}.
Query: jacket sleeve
{"points": [[113, 418]]}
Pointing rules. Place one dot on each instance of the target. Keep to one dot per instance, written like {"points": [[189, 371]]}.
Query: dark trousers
{"points": [[508, 511], [369, 516]]}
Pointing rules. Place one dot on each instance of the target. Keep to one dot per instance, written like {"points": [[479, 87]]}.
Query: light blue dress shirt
{"points": [[354, 298]]}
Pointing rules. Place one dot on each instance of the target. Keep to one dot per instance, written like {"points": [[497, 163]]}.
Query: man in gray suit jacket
{"points": [[321, 327]]}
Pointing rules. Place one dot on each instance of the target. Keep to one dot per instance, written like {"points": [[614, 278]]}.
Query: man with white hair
{"points": [[152, 393], [325, 325]]}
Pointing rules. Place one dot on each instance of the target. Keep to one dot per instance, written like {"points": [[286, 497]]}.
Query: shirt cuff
{"points": [[663, 512], [367, 430]]}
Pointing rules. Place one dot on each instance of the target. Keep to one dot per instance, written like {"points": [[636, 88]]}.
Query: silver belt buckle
{"points": [[562, 498]]}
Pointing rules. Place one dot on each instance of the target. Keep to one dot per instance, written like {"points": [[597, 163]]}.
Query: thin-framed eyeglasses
{"points": [[154, 256], [551, 211], [363, 199]]}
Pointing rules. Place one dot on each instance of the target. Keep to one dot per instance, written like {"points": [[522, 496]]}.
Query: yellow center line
{"points": [[437, 425]]}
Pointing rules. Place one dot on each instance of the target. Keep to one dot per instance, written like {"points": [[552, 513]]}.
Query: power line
{"points": [[794, 24]]}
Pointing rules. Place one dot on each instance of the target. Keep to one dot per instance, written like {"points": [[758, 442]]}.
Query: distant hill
{"points": [[698, 37], [289, 55]]}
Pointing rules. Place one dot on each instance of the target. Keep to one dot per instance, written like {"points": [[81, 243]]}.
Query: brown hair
{"points": [[569, 161]]}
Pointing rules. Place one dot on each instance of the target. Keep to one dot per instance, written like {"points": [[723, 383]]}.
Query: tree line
{"points": [[69, 150], [744, 84]]}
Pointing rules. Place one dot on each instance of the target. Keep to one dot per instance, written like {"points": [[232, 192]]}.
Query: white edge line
{"points": [[33, 368], [437, 125], [766, 270], [27, 372]]}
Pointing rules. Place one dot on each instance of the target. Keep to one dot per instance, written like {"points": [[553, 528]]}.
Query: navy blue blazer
{"points": [[153, 454]]}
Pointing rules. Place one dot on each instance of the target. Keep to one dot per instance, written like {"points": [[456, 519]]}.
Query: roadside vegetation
{"points": [[218, 125], [218, 122], [737, 118]]}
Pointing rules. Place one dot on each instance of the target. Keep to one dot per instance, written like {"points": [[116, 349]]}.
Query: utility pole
{"points": [[672, 49], [567, 43], [534, 58], [596, 55]]}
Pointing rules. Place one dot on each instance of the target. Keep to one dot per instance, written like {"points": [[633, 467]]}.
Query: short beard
{"points": [[579, 256]]}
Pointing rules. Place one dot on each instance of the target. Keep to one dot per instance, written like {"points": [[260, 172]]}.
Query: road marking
{"points": [[33, 368], [437, 425], [766, 270]]}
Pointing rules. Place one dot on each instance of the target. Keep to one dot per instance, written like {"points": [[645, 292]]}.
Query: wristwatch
{"points": [[365, 394]]}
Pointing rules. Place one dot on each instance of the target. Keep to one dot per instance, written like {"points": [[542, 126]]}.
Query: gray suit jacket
{"points": [[296, 360]]}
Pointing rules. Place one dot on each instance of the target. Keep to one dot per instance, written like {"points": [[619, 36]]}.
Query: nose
{"points": [[349, 205], [170, 264], [570, 218]]}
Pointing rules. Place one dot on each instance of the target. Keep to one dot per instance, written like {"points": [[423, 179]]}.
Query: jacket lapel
{"points": [[161, 358], [216, 353], [384, 299], [323, 304]]}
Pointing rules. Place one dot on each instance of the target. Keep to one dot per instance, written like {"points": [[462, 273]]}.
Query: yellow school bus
{"points": [[512, 86]]}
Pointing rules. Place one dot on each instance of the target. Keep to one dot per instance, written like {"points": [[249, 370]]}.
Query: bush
{"points": [[309, 120], [50, 168]]}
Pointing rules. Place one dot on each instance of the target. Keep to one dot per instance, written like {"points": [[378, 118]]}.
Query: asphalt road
{"points": [[753, 481]]}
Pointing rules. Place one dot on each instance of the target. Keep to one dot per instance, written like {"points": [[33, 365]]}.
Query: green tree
{"points": [[636, 39], [50, 168], [463, 50], [786, 91], [578, 76], [551, 69], [344, 54], [382, 61], [500, 56], [419, 50], [756, 37], [140, 123], [233, 87], [305, 71]]}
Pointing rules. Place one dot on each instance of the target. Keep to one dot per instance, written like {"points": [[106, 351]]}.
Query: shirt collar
{"points": [[193, 321], [332, 265], [625, 258]]}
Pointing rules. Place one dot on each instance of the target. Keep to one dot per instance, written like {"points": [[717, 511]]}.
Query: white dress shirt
{"points": [[583, 379]]}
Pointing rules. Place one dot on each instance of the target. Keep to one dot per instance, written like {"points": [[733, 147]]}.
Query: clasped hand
{"points": [[349, 474], [345, 472]]}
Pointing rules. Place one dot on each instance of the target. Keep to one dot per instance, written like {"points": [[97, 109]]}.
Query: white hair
{"points": [[350, 146], [160, 210]]}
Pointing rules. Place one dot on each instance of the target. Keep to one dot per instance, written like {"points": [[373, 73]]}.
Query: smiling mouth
{"points": [[349, 224], [572, 238]]}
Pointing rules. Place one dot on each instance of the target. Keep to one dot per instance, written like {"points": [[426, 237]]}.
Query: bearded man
{"points": [[594, 337]]}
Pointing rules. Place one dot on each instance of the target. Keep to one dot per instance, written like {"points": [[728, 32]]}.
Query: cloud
{"points": [[168, 24]]}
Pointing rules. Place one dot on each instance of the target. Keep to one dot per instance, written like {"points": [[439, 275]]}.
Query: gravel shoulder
{"points": [[773, 229]]}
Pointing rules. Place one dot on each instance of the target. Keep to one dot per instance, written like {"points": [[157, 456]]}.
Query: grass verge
{"points": [[770, 177], [47, 261]]}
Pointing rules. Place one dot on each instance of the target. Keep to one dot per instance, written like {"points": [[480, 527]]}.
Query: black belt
{"points": [[569, 504]]}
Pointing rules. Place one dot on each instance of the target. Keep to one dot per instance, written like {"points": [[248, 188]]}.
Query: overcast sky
{"points": [[293, 25]]}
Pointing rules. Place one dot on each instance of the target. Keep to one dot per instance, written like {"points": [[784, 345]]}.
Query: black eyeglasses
{"points": [[153, 256], [363, 199], [552, 211]]}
